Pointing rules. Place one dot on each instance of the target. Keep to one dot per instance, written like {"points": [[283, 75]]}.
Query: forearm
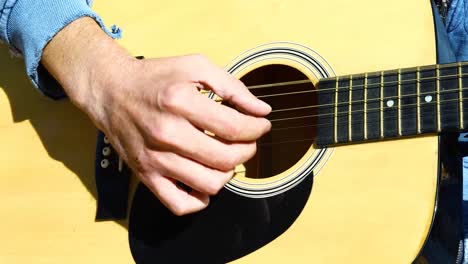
{"points": [[82, 58]]}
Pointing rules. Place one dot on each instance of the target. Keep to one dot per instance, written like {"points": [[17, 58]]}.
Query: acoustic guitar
{"points": [[348, 174]]}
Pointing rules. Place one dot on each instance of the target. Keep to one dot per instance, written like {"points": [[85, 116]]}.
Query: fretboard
{"points": [[391, 104]]}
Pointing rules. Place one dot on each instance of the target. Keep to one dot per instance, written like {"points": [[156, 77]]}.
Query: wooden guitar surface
{"points": [[369, 203]]}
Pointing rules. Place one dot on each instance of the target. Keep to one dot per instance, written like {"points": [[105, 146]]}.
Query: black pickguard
{"points": [[231, 227]]}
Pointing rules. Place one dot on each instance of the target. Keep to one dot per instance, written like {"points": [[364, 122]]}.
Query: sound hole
{"points": [[293, 119]]}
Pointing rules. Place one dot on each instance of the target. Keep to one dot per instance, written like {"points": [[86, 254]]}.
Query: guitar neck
{"points": [[392, 104]]}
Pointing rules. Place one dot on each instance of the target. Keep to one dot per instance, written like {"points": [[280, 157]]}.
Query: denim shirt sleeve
{"points": [[457, 28], [26, 26]]}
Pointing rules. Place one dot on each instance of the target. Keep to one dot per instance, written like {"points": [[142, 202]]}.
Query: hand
{"points": [[155, 117]]}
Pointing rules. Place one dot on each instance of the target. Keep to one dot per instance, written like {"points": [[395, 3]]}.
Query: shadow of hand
{"points": [[67, 135]]}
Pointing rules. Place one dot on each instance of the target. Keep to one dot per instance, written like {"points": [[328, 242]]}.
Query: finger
{"points": [[176, 199], [218, 154], [195, 175], [223, 121], [230, 89], [180, 136]]}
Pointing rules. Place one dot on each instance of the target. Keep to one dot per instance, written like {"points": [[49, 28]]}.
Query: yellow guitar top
{"points": [[369, 203]]}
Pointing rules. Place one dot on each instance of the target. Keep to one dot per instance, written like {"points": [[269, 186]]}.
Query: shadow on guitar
{"points": [[66, 134]]}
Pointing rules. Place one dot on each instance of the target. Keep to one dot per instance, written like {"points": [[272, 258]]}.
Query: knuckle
{"points": [[212, 189], [170, 99], [162, 134], [158, 163], [199, 62], [215, 185], [250, 151], [220, 163], [233, 131], [233, 162], [230, 161], [156, 134], [178, 209], [241, 154]]}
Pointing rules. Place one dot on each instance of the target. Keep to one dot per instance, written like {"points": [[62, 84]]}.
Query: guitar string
{"points": [[388, 117], [395, 97], [370, 100], [313, 91], [355, 101], [368, 110], [285, 141], [409, 81], [373, 121]]}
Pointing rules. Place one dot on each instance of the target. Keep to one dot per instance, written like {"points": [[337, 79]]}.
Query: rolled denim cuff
{"points": [[33, 23]]}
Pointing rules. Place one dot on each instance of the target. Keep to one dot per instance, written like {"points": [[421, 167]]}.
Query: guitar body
{"points": [[357, 203]]}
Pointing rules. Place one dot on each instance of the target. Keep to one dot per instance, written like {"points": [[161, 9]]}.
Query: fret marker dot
{"points": [[390, 103], [428, 98]]}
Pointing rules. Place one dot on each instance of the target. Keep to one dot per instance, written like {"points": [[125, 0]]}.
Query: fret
{"points": [[427, 99], [381, 105], [438, 97], [463, 79], [418, 100], [365, 106], [350, 110], [449, 95], [326, 120], [373, 105], [399, 102], [390, 104], [335, 116], [357, 108], [460, 94], [343, 107], [408, 103]]}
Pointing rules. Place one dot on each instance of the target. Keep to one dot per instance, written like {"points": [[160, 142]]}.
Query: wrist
{"points": [[105, 88], [86, 62]]}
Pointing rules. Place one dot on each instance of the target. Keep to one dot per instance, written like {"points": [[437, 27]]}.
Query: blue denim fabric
{"points": [[457, 28], [28, 25]]}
